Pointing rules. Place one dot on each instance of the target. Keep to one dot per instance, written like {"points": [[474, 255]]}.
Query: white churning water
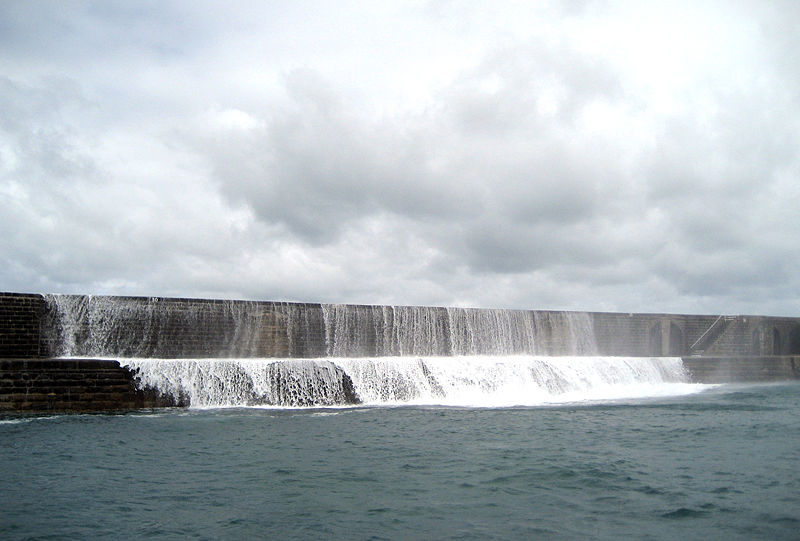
{"points": [[368, 354], [511, 380], [483, 381]]}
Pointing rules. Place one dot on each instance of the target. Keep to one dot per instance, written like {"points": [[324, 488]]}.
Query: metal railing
{"points": [[706, 333]]}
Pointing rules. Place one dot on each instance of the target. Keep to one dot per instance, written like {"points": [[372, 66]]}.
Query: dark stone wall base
{"points": [[742, 369], [72, 385]]}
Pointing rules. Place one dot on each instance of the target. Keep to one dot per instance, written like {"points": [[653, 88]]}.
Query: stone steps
{"points": [[71, 385]]}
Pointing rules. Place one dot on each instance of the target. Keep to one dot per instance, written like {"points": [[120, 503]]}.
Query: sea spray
{"points": [[512, 380], [245, 382], [486, 381]]}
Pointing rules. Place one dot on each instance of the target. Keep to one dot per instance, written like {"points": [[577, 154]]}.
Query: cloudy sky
{"points": [[578, 155]]}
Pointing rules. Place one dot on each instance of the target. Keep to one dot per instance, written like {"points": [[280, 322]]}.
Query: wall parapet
{"points": [[34, 326]]}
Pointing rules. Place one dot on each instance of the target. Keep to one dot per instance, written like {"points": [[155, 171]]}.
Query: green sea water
{"points": [[723, 463]]}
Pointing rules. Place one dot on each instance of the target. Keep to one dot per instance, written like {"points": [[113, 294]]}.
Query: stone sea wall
{"points": [[39, 334], [36, 326], [686, 334], [743, 369], [20, 326]]}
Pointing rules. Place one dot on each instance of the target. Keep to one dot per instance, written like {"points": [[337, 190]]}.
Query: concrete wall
{"points": [[742, 369], [167, 327], [704, 335], [715, 348]]}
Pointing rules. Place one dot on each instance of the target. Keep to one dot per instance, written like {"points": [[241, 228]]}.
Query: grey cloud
{"points": [[169, 148], [70, 224], [519, 192], [502, 247], [319, 166], [506, 90], [38, 121], [95, 32]]}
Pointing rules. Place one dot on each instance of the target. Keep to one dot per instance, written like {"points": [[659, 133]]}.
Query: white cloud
{"points": [[613, 156]]}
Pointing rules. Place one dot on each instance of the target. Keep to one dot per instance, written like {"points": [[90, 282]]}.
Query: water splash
{"points": [[482, 381], [245, 382], [241, 353], [359, 331], [512, 380]]}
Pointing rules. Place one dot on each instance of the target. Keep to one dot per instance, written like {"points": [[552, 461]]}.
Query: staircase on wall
{"points": [[711, 335]]}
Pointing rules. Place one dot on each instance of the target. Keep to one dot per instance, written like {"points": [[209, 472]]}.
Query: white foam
{"points": [[489, 381], [242, 382], [471, 381]]}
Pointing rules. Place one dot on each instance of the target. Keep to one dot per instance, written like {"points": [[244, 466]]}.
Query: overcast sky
{"points": [[578, 155]]}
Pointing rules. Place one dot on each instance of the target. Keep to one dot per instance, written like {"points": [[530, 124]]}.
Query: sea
{"points": [[672, 461]]}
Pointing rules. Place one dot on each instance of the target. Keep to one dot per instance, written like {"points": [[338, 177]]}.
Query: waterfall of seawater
{"points": [[246, 382], [88, 326], [421, 330], [211, 353], [457, 381]]}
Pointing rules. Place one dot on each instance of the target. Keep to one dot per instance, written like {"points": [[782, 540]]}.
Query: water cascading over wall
{"points": [[185, 328], [359, 331], [222, 353], [91, 326]]}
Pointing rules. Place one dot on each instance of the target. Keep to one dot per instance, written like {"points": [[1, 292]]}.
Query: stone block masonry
{"points": [[20, 333], [656, 335], [69, 385], [47, 341], [78, 325], [36, 326], [742, 369]]}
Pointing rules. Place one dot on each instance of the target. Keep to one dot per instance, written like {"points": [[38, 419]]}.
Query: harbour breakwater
{"points": [[212, 352]]}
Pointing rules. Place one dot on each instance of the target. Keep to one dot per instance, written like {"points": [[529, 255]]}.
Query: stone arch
{"points": [[794, 341], [677, 342], [654, 340], [776, 341], [755, 344]]}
